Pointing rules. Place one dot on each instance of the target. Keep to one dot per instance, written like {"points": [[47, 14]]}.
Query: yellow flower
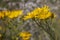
{"points": [[10, 14], [1, 15], [32, 14], [6, 12], [25, 35], [40, 13], [15, 13], [44, 16]]}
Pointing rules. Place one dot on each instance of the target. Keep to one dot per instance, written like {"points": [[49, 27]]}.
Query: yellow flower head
{"points": [[40, 13], [6, 12], [25, 35], [10, 14], [15, 13], [32, 14], [1, 15]]}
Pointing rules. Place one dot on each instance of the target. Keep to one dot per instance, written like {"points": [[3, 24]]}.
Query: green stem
{"points": [[47, 29]]}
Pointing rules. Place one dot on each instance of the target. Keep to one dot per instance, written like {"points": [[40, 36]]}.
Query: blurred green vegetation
{"points": [[14, 26]]}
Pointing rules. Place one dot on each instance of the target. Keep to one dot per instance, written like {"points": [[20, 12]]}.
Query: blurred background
{"points": [[27, 6]]}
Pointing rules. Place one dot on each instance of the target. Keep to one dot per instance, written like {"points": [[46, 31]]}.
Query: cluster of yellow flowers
{"points": [[10, 14], [40, 13], [25, 35]]}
